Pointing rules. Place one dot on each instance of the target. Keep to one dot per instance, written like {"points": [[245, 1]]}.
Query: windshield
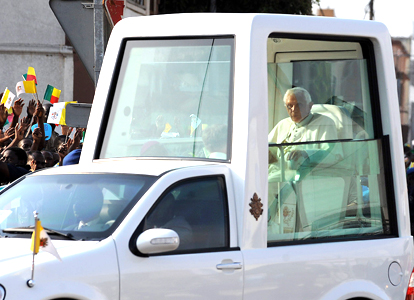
{"points": [[85, 205], [172, 99]]}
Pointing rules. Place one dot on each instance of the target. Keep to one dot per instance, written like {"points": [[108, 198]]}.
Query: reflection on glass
{"points": [[168, 93], [327, 196], [71, 203]]}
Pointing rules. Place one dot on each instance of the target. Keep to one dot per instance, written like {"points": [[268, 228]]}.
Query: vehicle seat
{"points": [[339, 115]]}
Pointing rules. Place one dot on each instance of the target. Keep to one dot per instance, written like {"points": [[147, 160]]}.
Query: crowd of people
{"points": [[25, 148]]}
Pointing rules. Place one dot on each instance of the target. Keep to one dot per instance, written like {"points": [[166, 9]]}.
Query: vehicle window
{"points": [[326, 161], [79, 204], [172, 99], [197, 211]]}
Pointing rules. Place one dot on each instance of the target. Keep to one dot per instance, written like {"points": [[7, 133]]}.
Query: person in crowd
{"points": [[49, 160], [20, 136], [74, 151], [72, 158], [25, 144], [19, 131], [13, 165], [35, 160], [59, 140]]}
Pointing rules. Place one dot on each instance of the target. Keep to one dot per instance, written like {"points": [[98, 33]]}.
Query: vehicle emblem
{"points": [[256, 206]]}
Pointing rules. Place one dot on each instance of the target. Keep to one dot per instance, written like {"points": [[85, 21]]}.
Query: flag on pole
{"points": [[52, 94], [7, 98], [31, 75], [42, 241], [57, 113], [27, 87]]}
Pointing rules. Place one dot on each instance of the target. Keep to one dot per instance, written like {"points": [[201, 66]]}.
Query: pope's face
{"points": [[297, 111]]}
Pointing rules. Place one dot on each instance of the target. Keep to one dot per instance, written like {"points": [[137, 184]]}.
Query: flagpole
{"points": [[30, 282]]}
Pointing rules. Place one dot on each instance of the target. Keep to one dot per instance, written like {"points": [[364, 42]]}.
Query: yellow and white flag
{"points": [[28, 87], [42, 241], [7, 98], [57, 113]]}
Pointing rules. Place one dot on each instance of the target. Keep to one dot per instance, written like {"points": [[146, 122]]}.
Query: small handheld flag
{"points": [[52, 94], [7, 98], [27, 87], [31, 75], [57, 113]]}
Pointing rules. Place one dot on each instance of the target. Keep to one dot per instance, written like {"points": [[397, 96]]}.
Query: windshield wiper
{"points": [[29, 229]]}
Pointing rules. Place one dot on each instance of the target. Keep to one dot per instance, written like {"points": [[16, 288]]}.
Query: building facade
{"points": [[401, 48], [30, 35]]}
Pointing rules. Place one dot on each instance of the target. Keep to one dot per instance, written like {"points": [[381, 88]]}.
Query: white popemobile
{"points": [[176, 195]]}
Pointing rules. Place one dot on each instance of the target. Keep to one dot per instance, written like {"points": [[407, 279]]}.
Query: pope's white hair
{"points": [[301, 95]]}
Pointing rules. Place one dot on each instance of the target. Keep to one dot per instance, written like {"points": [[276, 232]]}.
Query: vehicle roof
{"points": [[230, 23], [152, 167]]}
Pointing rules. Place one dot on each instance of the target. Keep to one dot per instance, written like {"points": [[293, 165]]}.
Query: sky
{"points": [[397, 15]]}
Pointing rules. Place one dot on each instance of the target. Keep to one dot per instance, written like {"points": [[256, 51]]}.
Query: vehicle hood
{"points": [[15, 253]]}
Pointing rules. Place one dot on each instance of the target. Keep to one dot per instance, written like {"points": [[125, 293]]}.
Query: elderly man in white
{"points": [[301, 126]]}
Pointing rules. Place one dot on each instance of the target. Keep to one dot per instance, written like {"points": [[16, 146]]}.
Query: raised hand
{"points": [[18, 107], [39, 111], [31, 107], [62, 151], [37, 134], [19, 131], [9, 132], [78, 135]]}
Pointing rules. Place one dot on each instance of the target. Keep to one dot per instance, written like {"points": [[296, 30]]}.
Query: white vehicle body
{"points": [[257, 253]]}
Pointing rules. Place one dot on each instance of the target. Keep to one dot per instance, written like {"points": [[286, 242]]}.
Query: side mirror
{"points": [[157, 240]]}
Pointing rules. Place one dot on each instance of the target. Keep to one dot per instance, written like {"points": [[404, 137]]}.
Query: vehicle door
{"points": [[207, 264]]}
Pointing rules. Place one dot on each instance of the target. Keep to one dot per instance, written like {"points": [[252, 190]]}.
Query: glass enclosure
{"points": [[326, 163], [172, 99]]}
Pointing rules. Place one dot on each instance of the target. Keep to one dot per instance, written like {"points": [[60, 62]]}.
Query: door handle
{"points": [[229, 266]]}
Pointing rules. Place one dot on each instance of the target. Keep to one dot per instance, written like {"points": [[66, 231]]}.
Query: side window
{"points": [[326, 172], [197, 210]]}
